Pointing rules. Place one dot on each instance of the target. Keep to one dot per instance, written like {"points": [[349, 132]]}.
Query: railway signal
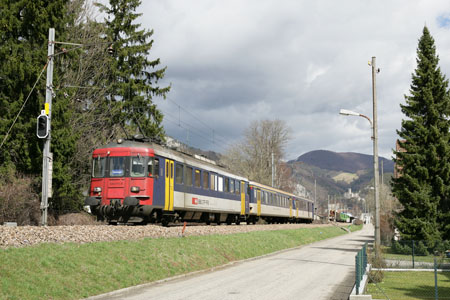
{"points": [[42, 126]]}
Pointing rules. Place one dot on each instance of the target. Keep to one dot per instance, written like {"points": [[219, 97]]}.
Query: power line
{"points": [[215, 136], [173, 120]]}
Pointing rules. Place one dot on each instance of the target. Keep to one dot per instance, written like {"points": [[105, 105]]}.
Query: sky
{"points": [[233, 62]]}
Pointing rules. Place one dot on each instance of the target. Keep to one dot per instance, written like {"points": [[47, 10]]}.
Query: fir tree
{"points": [[133, 75], [424, 185], [23, 53]]}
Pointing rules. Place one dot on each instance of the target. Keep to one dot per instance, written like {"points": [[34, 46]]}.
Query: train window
{"points": [[197, 179], [213, 181], [231, 185], [227, 185], [188, 176], [137, 167], [205, 180], [220, 183], [237, 188], [153, 167], [179, 173], [98, 167], [117, 165]]}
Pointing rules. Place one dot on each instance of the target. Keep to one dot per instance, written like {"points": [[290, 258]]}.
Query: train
{"points": [[137, 181]]}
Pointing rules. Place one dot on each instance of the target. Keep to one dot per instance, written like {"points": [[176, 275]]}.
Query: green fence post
{"points": [[365, 257], [357, 273]]}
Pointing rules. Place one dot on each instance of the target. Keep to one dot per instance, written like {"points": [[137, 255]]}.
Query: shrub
{"points": [[19, 201], [376, 276], [420, 249], [407, 250], [397, 248]]}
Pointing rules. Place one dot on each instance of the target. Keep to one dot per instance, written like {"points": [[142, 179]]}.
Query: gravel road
{"points": [[23, 236]]}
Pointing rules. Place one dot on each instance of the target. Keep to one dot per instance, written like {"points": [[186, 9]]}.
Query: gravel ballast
{"points": [[23, 236]]}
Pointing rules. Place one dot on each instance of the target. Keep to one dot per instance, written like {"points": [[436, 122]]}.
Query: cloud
{"points": [[232, 62]]}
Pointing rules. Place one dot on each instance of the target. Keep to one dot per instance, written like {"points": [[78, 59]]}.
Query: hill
{"points": [[343, 162], [335, 173]]}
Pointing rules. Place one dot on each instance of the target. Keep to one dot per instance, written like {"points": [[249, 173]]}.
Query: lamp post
{"points": [[346, 112]]}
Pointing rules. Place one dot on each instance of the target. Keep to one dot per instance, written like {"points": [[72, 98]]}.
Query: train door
{"points": [[290, 207], [137, 173], [168, 183], [258, 201], [116, 185], [244, 200], [159, 182], [297, 203]]}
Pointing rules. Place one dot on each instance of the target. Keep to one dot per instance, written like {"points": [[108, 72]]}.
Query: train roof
{"points": [[276, 190], [175, 154]]}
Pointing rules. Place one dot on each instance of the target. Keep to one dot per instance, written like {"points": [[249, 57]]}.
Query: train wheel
{"points": [[165, 222]]}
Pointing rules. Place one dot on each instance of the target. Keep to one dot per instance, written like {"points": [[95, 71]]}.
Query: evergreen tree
{"points": [[23, 53], [424, 185], [133, 75]]}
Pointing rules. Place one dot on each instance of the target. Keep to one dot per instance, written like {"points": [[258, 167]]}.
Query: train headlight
{"points": [[97, 189], [135, 189]]}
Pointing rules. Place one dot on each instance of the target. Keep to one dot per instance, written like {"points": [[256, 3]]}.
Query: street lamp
{"points": [[375, 151], [347, 112]]}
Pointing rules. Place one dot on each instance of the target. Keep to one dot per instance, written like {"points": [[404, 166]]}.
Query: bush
{"points": [[376, 276], [397, 248], [407, 250], [19, 201], [420, 249]]}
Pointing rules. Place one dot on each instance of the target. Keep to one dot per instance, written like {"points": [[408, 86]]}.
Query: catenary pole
{"points": [[46, 159], [375, 159]]}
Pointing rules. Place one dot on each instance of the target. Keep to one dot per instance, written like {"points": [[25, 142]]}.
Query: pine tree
{"points": [[424, 185], [133, 75], [23, 54]]}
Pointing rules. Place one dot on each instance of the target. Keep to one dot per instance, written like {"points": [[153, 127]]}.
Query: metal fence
{"points": [[360, 267], [411, 270]]}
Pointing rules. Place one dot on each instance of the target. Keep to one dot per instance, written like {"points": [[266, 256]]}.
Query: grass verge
{"points": [[73, 271], [411, 285]]}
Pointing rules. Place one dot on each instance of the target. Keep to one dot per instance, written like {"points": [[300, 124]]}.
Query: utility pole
{"points": [[273, 166], [47, 156], [315, 196], [328, 208], [375, 159]]}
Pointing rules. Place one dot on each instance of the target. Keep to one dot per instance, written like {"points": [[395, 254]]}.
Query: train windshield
{"points": [[117, 166], [98, 167], [138, 166]]}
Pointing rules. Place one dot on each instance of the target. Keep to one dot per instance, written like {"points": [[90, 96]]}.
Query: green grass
{"points": [[73, 271], [411, 285]]}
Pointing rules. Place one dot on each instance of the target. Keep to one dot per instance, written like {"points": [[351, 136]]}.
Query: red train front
{"points": [[123, 174]]}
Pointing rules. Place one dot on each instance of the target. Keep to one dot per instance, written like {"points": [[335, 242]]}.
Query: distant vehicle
{"points": [[135, 181], [343, 217]]}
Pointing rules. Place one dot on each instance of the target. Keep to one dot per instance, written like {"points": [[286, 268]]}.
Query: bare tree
{"points": [[253, 156]]}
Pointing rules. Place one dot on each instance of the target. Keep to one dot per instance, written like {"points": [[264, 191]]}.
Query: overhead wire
{"points": [[216, 137], [170, 118]]}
